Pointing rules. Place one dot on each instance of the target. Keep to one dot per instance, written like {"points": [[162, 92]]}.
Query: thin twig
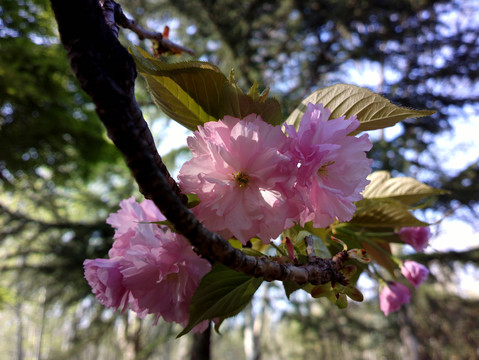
{"points": [[108, 7], [114, 17]]}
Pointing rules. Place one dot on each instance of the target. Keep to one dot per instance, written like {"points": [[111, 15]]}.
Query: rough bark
{"points": [[107, 73]]}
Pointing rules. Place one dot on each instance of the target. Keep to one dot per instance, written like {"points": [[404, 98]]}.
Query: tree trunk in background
{"points": [[251, 334], [200, 349], [19, 309], [409, 348], [43, 301], [18, 312], [254, 325]]}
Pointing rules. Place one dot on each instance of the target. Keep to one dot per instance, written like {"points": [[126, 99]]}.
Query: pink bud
{"points": [[290, 248], [393, 296], [417, 237], [416, 273]]}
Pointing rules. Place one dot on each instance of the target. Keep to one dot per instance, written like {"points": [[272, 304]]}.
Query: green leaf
{"points": [[251, 252], [235, 103], [255, 95], [290, 287], [388, 213], [188, 92], [405, 189], [196, 92], [176, 103], [235, 243], [373, 110], [351, 241], [193, 200], [222, 293]]}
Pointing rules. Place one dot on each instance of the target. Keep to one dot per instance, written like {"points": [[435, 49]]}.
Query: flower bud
{"points": [[342, 301], [392, 296], [417, 237], [354, 293], [416, 273]]}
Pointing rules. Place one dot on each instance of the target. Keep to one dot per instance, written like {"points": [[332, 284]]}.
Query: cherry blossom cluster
{"points": [[394, 294], [150, 269], [253, 180]]}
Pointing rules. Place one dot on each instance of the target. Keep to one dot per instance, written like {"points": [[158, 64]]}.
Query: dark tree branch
{"points": [[23, 219], [445, 258], [107, 73]]}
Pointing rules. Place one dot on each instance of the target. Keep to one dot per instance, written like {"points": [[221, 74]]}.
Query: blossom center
{"points": [[173, 277], [323, 171], [241, 178]]}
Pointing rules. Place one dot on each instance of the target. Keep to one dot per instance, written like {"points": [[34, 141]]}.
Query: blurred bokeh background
{"points": [[60, 176]]}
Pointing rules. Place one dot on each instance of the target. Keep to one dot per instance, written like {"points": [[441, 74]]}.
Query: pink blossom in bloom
{"points": [[417, 237], [105, 279], [243, 176], [132, 225], [151, 270], [333, 166], [393, 296], [416, 273], [163, 279]]}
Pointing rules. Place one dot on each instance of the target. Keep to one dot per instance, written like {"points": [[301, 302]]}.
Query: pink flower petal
{"points": [[416, 273], [393, 296]]}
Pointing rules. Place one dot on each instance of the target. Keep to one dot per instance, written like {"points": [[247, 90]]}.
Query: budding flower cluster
{"points": [[395, 294]]}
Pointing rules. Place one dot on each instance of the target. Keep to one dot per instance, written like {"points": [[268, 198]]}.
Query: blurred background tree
{"points": [[60, 176]]}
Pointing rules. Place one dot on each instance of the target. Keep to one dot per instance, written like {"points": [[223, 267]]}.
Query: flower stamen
{"points": [[322, 171], [241, 178]]}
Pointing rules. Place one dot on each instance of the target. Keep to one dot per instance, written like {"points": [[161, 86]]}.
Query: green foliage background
{"points": [[60, 176]]}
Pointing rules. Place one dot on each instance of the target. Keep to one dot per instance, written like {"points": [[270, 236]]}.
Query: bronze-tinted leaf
{"points": [[373, 110]]}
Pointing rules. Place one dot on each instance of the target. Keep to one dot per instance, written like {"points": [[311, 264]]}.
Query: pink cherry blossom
{"points": [[393, 296], [333, 166], [164, 279], [105, 279], [151, 270], [417, 237], [416, 273], [243, 176], [132, 225]]}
